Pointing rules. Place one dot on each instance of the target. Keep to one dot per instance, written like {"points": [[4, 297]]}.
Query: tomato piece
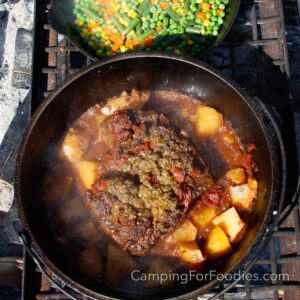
{"points": [[247, 161], [213, 196], [178, 174]]}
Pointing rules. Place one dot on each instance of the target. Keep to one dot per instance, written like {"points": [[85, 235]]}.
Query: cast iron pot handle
{"points": [[65, 289]]}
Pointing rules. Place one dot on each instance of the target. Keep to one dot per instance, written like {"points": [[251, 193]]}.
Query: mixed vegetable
{"points": [[175, 26]]}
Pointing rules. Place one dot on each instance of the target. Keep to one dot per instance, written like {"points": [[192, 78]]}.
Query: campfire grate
{"points": [[255, 55]]}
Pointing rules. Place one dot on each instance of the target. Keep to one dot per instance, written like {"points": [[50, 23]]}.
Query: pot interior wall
{"points": [[110, 80]]}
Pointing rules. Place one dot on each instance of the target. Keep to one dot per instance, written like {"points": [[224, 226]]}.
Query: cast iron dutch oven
{"points": [[61, 18], [107, 78]]}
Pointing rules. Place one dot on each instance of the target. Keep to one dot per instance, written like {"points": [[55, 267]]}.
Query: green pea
{"points": [[153, 9], [215, 19], [208, 15], [220, 21], [222, 14], [169, 49], [193, 7], [221, 6], [215, 32]]}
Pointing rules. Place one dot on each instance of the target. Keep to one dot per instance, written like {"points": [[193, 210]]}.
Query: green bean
{"points": [[146, 10], [131, 26], [91, 14], [146, 34], [160, 37], [124, 16], [117, 24], [143, 5], [172, 14], [190, 22], [193, 30]]}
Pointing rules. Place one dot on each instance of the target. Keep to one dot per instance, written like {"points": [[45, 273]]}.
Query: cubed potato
{"points": [[231, 223], [68, 212], [71, 149], [87, 171], [190, 253], [208, 121], [236, 176], [243, 196], [217, 244], [119, 264], [57, 188], [159, 266], [202, 218], [90, 262], [166, 247], [186, 232], [252, 182]]}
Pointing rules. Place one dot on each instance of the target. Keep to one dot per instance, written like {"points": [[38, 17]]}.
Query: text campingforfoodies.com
{"points": [[184, 278]]}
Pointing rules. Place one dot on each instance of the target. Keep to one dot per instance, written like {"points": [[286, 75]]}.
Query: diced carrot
{"points": [[136, 41], [149, 40], [129, 44], [219, 12], [201, 16], [176, 1], [206, 6], [158, 28], [92, 26], [164, 5], [107, 31], [115, 47], [99, 2], [109, 10]]}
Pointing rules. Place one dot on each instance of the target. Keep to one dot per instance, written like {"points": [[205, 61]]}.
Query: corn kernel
{"points": [[123, 48], [206, 22]]}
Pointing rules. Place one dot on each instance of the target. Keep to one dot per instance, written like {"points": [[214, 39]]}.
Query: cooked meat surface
{"points": [[152, 175]]}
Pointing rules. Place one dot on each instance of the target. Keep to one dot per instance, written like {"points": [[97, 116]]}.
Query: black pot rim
{"points": [[270, 222]]}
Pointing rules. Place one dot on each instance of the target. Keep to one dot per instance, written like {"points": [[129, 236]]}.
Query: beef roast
{"points": [[152, 175]]}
